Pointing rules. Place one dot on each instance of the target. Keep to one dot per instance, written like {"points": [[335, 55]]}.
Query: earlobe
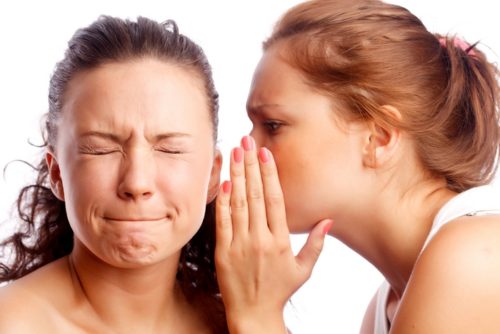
{"points": [[213, 186], [382, 140], [56, 184]]}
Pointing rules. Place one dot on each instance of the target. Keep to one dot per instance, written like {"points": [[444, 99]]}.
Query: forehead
{"points": [[275, 78], [273, 65], [140, 76], [147, 90]]}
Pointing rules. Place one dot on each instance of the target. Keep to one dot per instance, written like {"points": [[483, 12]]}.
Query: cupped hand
{"points": [[256, 268]]}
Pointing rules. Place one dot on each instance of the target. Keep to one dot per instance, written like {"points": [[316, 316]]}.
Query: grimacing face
{"points": [[135, 160], [319, 161]]}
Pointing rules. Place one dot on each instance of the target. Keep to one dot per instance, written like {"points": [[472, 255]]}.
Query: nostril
{"points": [[128, 195], [147, 194]]}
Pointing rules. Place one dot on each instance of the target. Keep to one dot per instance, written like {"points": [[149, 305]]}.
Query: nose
{"points": [[257, 138], [137, 176]]}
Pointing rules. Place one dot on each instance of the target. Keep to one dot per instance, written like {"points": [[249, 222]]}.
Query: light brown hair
{"points": [[367, 54]]}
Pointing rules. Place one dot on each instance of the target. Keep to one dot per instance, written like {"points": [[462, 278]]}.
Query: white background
{"points": [[33, 36]]}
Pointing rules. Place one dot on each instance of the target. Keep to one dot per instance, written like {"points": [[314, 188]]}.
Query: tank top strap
{"points": [[475, 201]]}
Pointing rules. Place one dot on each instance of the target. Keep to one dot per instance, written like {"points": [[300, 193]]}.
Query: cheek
{"points": [[185, 182], [87, 178], [309, 180], [88, 188]]}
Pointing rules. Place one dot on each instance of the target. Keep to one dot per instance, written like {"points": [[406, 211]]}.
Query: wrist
{"points": [[252, 323]]}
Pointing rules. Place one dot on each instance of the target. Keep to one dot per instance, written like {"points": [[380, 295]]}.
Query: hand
{"points": [[256, 268]]}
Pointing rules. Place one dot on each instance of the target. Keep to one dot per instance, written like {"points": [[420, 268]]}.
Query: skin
{"points": [[369, 180], [135, 164]]}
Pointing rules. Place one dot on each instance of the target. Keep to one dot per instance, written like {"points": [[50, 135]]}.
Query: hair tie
{"points": [[459, 43]]}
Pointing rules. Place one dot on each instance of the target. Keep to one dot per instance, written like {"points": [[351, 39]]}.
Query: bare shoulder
{"points": [[29, 305], [16, 310], [455, 284]]}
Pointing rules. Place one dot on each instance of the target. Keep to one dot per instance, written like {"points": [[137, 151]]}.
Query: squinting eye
{"points": [[101, 152], [169, 151], [97, 151]]}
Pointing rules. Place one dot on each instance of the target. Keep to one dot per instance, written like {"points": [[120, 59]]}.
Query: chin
{"points": [[134, 254], [299, 227]]}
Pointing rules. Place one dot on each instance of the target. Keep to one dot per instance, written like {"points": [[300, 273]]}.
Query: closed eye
{"points": [[98, 151], [169, 150]]}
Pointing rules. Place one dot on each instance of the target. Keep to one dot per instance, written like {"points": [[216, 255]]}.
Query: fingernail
{"points": [[327, 227], [264, 154], [237, 154], [226, 187], [248, 143]]}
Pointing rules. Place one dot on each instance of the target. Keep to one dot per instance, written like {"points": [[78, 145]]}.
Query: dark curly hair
{"points": [[44, 234]]}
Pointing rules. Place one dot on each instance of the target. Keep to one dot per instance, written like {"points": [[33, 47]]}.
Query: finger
{"points": [[223, 223], [238, 200], [309, 254], [254, 188], [274, 201]]}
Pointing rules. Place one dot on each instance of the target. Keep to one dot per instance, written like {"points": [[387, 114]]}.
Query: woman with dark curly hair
{"points": [[117, 233]]}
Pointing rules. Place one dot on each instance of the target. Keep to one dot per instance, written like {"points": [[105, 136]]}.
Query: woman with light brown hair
{"points": [[384, 136]]}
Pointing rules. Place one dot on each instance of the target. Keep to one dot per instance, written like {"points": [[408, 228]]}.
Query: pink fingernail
{"points": [[237, 154], [247, 142], [327, 227], [264, 154], [226, 187]]}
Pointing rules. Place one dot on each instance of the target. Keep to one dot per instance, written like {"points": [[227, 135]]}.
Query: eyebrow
{"points": [[104, 135], [264, 109], [169, 135], [257, 109], [115, 138]]}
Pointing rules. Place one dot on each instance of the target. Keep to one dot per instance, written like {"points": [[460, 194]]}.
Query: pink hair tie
{"points": [[459, 43]]}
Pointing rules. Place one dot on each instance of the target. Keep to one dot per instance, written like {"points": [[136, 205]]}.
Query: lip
{"points": [[134, 219]]}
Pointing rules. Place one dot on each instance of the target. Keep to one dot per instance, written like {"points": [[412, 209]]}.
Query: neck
{"points": [[144, 297], [392, 232]]}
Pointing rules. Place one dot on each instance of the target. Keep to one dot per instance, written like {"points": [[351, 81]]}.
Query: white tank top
{"points": [[477, 201]]}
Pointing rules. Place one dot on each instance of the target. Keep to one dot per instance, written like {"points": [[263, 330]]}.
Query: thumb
{"points": [[309, 254]]}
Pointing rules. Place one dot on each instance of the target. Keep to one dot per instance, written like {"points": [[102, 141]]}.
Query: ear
{"points": [[213, 185], [382, 140], [56, 184]]}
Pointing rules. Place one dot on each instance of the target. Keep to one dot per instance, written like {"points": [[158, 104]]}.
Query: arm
{"points": [[455, 285], [256, 268]]}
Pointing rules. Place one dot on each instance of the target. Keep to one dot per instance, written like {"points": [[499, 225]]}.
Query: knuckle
{"points": [[283, 246], [255, 193], [261, 247], [251, 160], [238, 202], [238, 172], [225, 222], [268, 171], [274, 199], [220, 204], [222, 264]]}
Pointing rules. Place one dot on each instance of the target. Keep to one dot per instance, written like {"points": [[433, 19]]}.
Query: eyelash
{"points": [[169, 151], [93, 151], [272, 126]]}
